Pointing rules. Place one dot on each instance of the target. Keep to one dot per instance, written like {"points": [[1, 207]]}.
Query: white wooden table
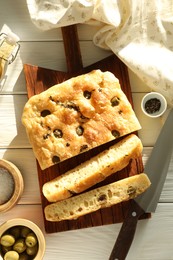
{"points": [[154, 237]]}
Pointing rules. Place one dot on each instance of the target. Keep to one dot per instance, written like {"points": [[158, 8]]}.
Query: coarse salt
{"points": [[6, 185]]}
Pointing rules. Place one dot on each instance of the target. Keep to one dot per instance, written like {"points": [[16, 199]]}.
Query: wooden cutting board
{"points": [[39, 79]]}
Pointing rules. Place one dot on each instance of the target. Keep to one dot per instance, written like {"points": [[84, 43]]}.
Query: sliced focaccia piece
{"points": [[94, 170], [77, 115], [93, 200]]}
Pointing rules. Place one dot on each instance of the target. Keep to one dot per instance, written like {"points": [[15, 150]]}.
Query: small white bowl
{"points": [[153, 104]]}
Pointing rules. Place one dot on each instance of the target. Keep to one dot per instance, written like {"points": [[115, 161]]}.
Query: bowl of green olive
{"points": [[21, 239]]}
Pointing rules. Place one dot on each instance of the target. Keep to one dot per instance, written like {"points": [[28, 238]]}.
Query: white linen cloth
{"points": [[139, 32]]}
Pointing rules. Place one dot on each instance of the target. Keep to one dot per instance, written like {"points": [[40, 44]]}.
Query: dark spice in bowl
{"points": [[152, 105]]}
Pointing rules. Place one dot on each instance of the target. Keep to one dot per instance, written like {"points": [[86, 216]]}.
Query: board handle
{"points": [[72, 48]]}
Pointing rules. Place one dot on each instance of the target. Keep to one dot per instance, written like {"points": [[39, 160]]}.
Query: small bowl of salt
{"points": [[11, 185]]}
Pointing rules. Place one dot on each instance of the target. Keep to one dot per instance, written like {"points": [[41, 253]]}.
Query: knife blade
{"points": [[156, 169]]}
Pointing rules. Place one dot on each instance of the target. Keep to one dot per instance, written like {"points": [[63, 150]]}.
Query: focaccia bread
{"points": [[94, 170], [77, 115], [93, 200]]}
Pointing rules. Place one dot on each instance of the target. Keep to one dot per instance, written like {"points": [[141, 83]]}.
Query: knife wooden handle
{"points": [[127, 232]]}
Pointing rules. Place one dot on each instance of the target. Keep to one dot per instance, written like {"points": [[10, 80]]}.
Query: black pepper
{"points": [[152, 105]]}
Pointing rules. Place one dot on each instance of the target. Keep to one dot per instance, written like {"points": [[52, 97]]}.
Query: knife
{"points": [[156, 169]]}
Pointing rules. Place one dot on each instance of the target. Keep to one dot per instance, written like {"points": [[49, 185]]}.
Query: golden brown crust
{"points": [[77, 115]]}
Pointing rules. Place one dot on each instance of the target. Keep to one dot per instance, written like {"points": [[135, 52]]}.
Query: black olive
{"points": [[58, 133], [131, 191], [83, 147], [45, 113], [115, 133], [115, 101], [79, 130], [55, 159], [87, 94], [102, 197]]}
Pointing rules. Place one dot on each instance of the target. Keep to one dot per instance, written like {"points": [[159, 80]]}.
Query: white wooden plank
{"points": [[31, 212], [150, 126], [13, 133], [36, 53], [17, 18], [167, 192], [51, 54], [137, 85], [87, 31], [24, 159], [153, 238]]}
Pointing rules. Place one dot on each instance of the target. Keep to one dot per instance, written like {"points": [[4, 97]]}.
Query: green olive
{"points": [[15, 231], [11, 255], [32, 250], [31, 240], [25, 231], [19, 246], [7, 240]]}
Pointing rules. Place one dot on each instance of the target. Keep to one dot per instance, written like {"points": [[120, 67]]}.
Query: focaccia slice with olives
{"points": [[94, 170], [77, 115], [102, 197]]}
